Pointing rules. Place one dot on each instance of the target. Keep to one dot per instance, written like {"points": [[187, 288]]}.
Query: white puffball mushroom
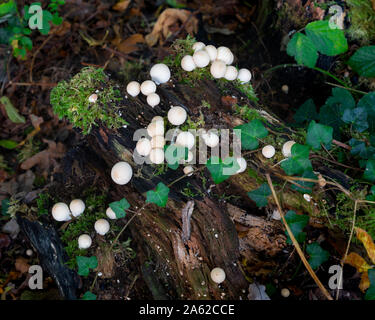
{"points": [[218, 69], [133, 88], [242, 163], [157, 156], [157, 142], [153, 99], [307, 197], [101, 226], [212, 52], [155, 128], [211, 139], [121, 173], [285, 89], [29, 252], [224, 54], [231, 59], [198, 46], [244, 75], [148, 87], [93, 98], [61, 212], [143, 147], [177, 115], [187, 63], [285, 292], [185, 139], [77, 206], [287, 148], [268, 151], [157, 118], [201, 58], [110, 213], [231, 73], [217, 275], [84, 241], [160, 73], [188, 170]]}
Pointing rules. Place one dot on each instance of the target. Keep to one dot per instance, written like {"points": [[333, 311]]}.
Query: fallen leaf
{"points": [[356, 261], [369, 245], [365, 282], [21, 265], [129, 45], [122, 5]]}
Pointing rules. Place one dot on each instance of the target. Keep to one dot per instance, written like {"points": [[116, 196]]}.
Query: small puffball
{"points": [[157, 118], [218, 69], [84, 241], [198, 46], [121, 173], [268, 151], [244, 75], [93, 98], [77, 206], [231, 73], [157, 142], [185, 139], [101, 226], [153, 99], [148, 87], [201, 58], [187, 63], [160, 73], [155, 128], [217, 275], [211, 139], [285, 292], [285, 89], [29, 252], [188, 170], [157, 156], [242, 163], [307, 197], [61, 212], [143, 147], [212, 52], [177, 115], [287, 148], [133, 88], [231, 59], [110, 214], [224, 54]]}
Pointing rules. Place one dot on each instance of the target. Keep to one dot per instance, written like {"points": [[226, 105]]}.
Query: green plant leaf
{"points": [[361, 149], [297, 223], [330, 42], [370, 171], [368, 103], [8, 144], [303, 50], [11, 111], [370, 293], [306, 112], [306, 186], [317, 255], [221, 170], [8, 7], [85, 264], [57, 20], [159, 196], [4, 206], [298, 162], [260, 195], [174, 4], [89, 296], [363, 61], [318, 134], [357, 117], [119, 207], [250, 133], [47, 17]]}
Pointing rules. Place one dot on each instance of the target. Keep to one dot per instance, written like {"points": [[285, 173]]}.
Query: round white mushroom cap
{"points": [[61, 212], [185, 139], [101, 226], [110, 213], [268, 151], [242, 163], [212, 52], [231, 73], [157, 156], [29, 252], [211, 139], [177, 115], [148, 87], [157, 118], [133, 88], [218, 69], [285, 292], [157, 142], [155, 128], [287, 148], [93, 98], [84, 241], [217, 275], [224, 54], [153, 99], [187, 63], [121, 173], [143, 147], [188, 170], [198, 46], [244, 75], [160, 73], [77, 206], [201, 58]]}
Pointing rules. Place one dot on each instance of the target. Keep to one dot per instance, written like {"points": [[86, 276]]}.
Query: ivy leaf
{"points": [[89, 296], [159, 196], [221, 170], [8, 144], [303, 50], [297, 223], [370, 171], [306, 186], [119, 207], [306, 112], [260, 195], [11, 111], [360, 148], [317, 255], [8, 7], [85, 264], [299, 161], [370, 197], [368, 103], [318, 134], [330, 42], [370, 293], [250, 133], [357, 117], [363, 61]]}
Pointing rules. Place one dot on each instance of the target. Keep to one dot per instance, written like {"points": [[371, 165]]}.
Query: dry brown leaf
{"points": [[356, 261], [129, 45], [168, 18], [22, 265], [36, 121], [365, 282], [369, 245], [122, 5]]}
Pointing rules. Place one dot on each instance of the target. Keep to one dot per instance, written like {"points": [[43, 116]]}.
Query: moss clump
{"points": [[71, 99]]}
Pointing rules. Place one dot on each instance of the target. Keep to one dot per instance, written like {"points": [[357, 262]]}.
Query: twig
{"points": [[347, 88], [341, 144], [335, 162], [29, 84]]}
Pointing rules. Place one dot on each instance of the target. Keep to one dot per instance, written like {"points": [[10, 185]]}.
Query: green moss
{"points": [[29, 149], [70, 99], [246, 113], [362, 18], [43, 202], [3, 163]]}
